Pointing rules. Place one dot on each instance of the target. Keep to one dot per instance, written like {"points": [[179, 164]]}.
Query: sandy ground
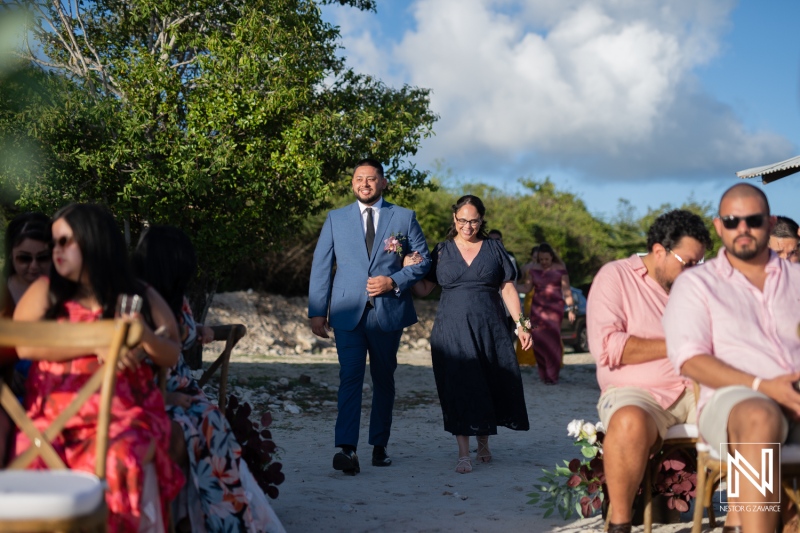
{"points": [[421, 492]]}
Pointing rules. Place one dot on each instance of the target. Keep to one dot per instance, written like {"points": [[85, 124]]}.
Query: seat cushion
{"points": [[48, 494]]}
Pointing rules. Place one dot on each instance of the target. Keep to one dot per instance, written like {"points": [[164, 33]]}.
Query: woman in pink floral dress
{"points": [[90, 271]]}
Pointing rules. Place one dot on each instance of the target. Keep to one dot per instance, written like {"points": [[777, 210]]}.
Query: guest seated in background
{"points": [[27, 257], [783, 239], [220, 493], [90, 271], [28, 247], [27, 253], [641, 394], [732, 326]]}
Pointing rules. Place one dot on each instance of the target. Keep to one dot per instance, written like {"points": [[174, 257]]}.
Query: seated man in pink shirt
{"points": [[732, 326], [642, 395]]}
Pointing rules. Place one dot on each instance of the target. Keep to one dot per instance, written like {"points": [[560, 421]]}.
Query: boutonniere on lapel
{"points": [[396, 244]]}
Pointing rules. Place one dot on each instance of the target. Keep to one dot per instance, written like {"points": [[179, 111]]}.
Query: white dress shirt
{"points": [[376, 209]]}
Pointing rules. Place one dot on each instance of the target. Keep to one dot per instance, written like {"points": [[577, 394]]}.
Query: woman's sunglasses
{"points": [[62, 242], [27, 259], [752, 221]]}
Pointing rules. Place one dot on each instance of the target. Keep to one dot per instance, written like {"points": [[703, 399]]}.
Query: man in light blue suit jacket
{"points": [[366, 299]]}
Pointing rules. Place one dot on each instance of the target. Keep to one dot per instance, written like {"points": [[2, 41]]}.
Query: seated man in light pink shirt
{"points": [[642, 395], [732, 326]]}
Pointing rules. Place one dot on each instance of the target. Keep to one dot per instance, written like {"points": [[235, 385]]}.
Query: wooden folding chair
{"points": [[231, 334], [60, 499]]}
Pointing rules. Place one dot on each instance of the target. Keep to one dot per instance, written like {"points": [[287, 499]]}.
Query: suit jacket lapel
{"points": [[383, 225]]}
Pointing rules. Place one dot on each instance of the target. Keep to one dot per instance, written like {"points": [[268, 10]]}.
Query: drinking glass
{"points": [[128, 305]]}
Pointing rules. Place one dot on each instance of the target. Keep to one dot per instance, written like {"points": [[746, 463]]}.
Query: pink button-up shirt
{"points": [[624, 302], [715, 310]]}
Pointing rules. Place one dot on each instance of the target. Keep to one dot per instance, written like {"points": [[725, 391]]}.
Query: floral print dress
{"points": [[215, 479], [138, 421]]}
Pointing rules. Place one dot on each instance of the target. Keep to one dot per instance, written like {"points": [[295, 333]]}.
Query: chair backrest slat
{"points": [[118, 335]]}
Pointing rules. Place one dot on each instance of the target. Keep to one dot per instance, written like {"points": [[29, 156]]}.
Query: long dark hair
{"points": [[545, 248], [166, 260], [34, 226], [469, 199], [105, 259]]}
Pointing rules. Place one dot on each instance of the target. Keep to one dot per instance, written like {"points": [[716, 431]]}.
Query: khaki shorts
{"points": [[713, 424], [682, 411]]}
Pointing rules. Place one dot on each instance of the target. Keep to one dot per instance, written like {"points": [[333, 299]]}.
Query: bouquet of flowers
{"points": [[582, 492], [578, 487]]}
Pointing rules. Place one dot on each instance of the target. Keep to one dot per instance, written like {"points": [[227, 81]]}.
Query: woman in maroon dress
{"points": [[550, 283]]}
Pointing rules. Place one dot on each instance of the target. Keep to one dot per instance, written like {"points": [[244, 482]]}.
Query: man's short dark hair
{"points": [[496, 232], [668, 229], [369, 162], [785, 228], [742, 190]]}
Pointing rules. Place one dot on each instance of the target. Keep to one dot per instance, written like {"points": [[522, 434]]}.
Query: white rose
{"points": [[574, 428], [588, 430], [600, 427], [591, 439]]}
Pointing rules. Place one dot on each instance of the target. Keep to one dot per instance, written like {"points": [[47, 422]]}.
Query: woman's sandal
{"points": [[464, 465], [484, 454]]}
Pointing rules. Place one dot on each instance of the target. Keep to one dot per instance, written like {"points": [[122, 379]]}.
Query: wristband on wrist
{"points": [[756, 383]]}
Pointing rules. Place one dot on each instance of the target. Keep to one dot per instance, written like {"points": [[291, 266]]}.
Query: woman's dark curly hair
{"points": [[476, 202], [668, 229]]}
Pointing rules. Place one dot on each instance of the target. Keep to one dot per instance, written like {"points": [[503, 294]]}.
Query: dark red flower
{"points": [[573, 481]]}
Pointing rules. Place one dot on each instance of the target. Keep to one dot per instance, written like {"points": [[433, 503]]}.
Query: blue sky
{"points": [[652, 101]]}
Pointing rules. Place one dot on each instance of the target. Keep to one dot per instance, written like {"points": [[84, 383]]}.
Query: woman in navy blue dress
{"points": [[472, 349]]}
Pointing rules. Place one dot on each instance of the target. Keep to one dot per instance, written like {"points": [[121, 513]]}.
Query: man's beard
{"points": [[370, 199], [747, 254], [663, 281]]}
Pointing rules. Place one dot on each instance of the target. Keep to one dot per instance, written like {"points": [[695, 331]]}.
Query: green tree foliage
{"points": [[233, 120]]}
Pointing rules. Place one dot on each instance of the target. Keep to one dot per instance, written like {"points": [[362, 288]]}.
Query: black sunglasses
{"points": [[63, 242], [26, 259], [752, 221]]}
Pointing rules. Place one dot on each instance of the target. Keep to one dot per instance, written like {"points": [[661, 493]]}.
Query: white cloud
{"points": [[604, 87]]}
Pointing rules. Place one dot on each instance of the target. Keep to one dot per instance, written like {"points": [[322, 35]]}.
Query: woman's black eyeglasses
{"points": [[752, 221]]}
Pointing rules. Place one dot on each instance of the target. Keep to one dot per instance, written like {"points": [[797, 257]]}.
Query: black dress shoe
{"points": [[379, 457], [347, 462]]}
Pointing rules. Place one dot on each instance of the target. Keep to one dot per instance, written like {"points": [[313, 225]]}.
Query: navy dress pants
{"points": [[353, 347]]}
